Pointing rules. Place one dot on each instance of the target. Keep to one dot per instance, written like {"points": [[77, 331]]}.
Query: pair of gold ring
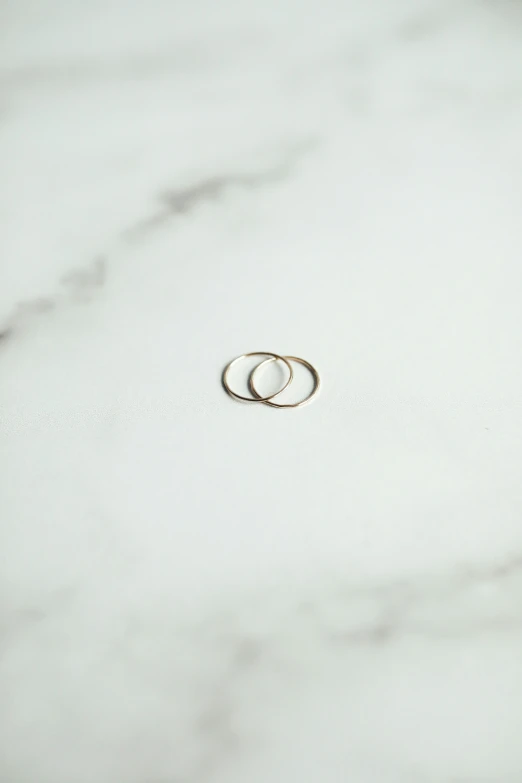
{"points": [[272, 357]]}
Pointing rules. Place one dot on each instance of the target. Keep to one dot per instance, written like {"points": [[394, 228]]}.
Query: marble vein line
{"points": [[81, 284]]}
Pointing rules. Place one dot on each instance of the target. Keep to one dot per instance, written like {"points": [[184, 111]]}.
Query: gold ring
{"points": [[257, 398], [267, 400]]}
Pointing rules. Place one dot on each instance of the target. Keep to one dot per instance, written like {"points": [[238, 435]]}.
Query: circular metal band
{"points": [[267, 401], [257, 398]]}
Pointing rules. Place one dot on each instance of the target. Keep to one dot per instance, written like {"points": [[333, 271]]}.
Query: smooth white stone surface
{"points": [[194, 590]]}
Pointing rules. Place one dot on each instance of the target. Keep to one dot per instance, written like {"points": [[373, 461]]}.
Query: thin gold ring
{"points": [[257, 398], [313, 393]]}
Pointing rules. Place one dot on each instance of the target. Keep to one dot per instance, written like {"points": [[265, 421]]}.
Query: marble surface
{"points": [[198, 591]]}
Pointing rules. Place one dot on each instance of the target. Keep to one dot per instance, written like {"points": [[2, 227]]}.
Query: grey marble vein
{"points": [[182, 201], [81, 284]]}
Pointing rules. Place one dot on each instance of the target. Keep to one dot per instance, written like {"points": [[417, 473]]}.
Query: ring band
{"points": [[258, 398], [267, 400]]}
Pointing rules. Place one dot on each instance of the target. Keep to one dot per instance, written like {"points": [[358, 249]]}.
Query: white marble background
{"points": [[196, 591]]}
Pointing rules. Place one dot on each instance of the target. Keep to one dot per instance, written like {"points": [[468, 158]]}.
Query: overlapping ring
{"points": [[272, 357]]}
